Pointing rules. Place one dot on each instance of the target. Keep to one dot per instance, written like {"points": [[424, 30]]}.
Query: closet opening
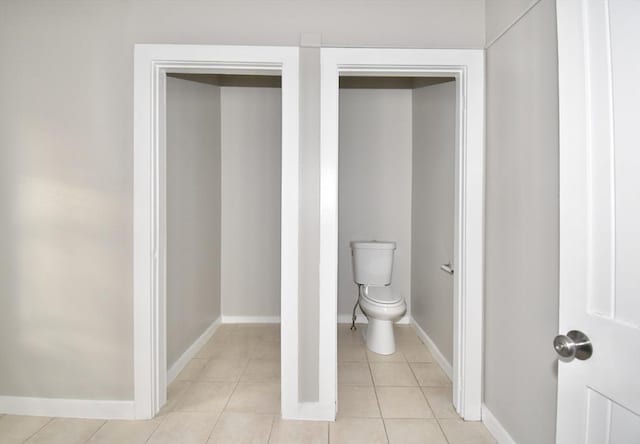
{"points": [[396, 252], [215, 282], [223, 211], [402, 173]]}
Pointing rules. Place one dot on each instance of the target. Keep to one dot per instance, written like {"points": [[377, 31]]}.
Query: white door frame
{"points": [[151, 65], [467, 66]]}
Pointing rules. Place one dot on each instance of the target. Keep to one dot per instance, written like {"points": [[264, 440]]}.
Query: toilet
{"points": [[372, 267]]}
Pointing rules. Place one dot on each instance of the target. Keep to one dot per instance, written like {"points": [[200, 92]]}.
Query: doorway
{"points": [[223, 241], [466, 68], [153, 65]]}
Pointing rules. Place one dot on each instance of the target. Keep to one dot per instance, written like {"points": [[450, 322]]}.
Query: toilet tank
{"points": [[372, 262]]}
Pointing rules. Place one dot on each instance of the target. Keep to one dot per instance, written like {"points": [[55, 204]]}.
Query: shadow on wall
{"points": [[59, 247]]}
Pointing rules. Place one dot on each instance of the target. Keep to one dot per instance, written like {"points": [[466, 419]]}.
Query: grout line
{"points": [[273, 421], [420, 387], [425, 396], [38, 431], [435, 416], [237, 383], [224, 409], [154, 429], [375, 391], [189, 383], [442, 430], [97, 430]]}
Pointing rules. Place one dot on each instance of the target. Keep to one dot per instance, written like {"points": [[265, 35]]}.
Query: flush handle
{"points": [[446, 268]]}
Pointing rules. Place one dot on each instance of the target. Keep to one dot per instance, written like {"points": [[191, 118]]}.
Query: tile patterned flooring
{"points": [[230, 394]]}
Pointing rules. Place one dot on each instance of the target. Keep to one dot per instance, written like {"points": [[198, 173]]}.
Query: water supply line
{"points": [[353, 317]]}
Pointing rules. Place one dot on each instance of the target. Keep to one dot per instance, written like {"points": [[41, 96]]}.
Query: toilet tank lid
{"points": [[374, 245]]}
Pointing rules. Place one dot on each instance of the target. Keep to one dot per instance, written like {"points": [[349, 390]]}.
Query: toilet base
{"points": [[379, 337]]}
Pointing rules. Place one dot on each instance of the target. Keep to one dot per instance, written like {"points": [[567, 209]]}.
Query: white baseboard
{"points": [[362, 319], [435, 351], [250, 319], [67, 408], [495, 428], [192, 351], [311, 411]]}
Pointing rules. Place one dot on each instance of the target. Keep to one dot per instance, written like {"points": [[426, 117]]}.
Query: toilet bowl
{"points": [[382, 306], [372, 269]]}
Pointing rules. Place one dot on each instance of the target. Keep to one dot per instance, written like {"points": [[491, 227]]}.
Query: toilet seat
{"points": [[382, 306], [381, 295]]}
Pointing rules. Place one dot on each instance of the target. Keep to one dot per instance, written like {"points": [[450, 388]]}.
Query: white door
{"points": [[599, 87]]}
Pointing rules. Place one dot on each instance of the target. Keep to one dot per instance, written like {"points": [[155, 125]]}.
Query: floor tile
{"points": [[414, 431], [430, 375], [459, 431], [415, 352], [403, 402], [256, 397], [396, 374], [225, 330], [125, 432], [264, 332], [359, 402], [250, 408], [357, 431], [230, 339], [257, 332], [298, 432], [352, 337], [266, 351], [174, 391], [352, 353], [354, 373], [260, 370], [234, 351], [16, 428], [184, 428], [242, 428], [205, 397], [405, 334], [440, 401], [228, 370], [191, 370], [394, 357], [66, 431]]}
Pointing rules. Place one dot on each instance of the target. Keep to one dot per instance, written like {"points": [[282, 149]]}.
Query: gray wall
{"points": [[223, 230], [309, 237], [193, 212], [432, 218], [522, 226], [374, 194], [501, 14], [66, 163], [251, 166]]}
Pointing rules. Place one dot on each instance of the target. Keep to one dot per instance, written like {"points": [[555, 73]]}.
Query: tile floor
{"points": [[230, 393]]}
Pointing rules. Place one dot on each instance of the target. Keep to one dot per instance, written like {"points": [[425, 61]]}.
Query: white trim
{"points": [[250, 319], [467, 65], [151, 64], [313, 411], [192, 351], [433, 348], [495, 428], [67, 408], [362, 319]]}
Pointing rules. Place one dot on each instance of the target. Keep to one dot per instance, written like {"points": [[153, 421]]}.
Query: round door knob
{"points": [[574, 345]]}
